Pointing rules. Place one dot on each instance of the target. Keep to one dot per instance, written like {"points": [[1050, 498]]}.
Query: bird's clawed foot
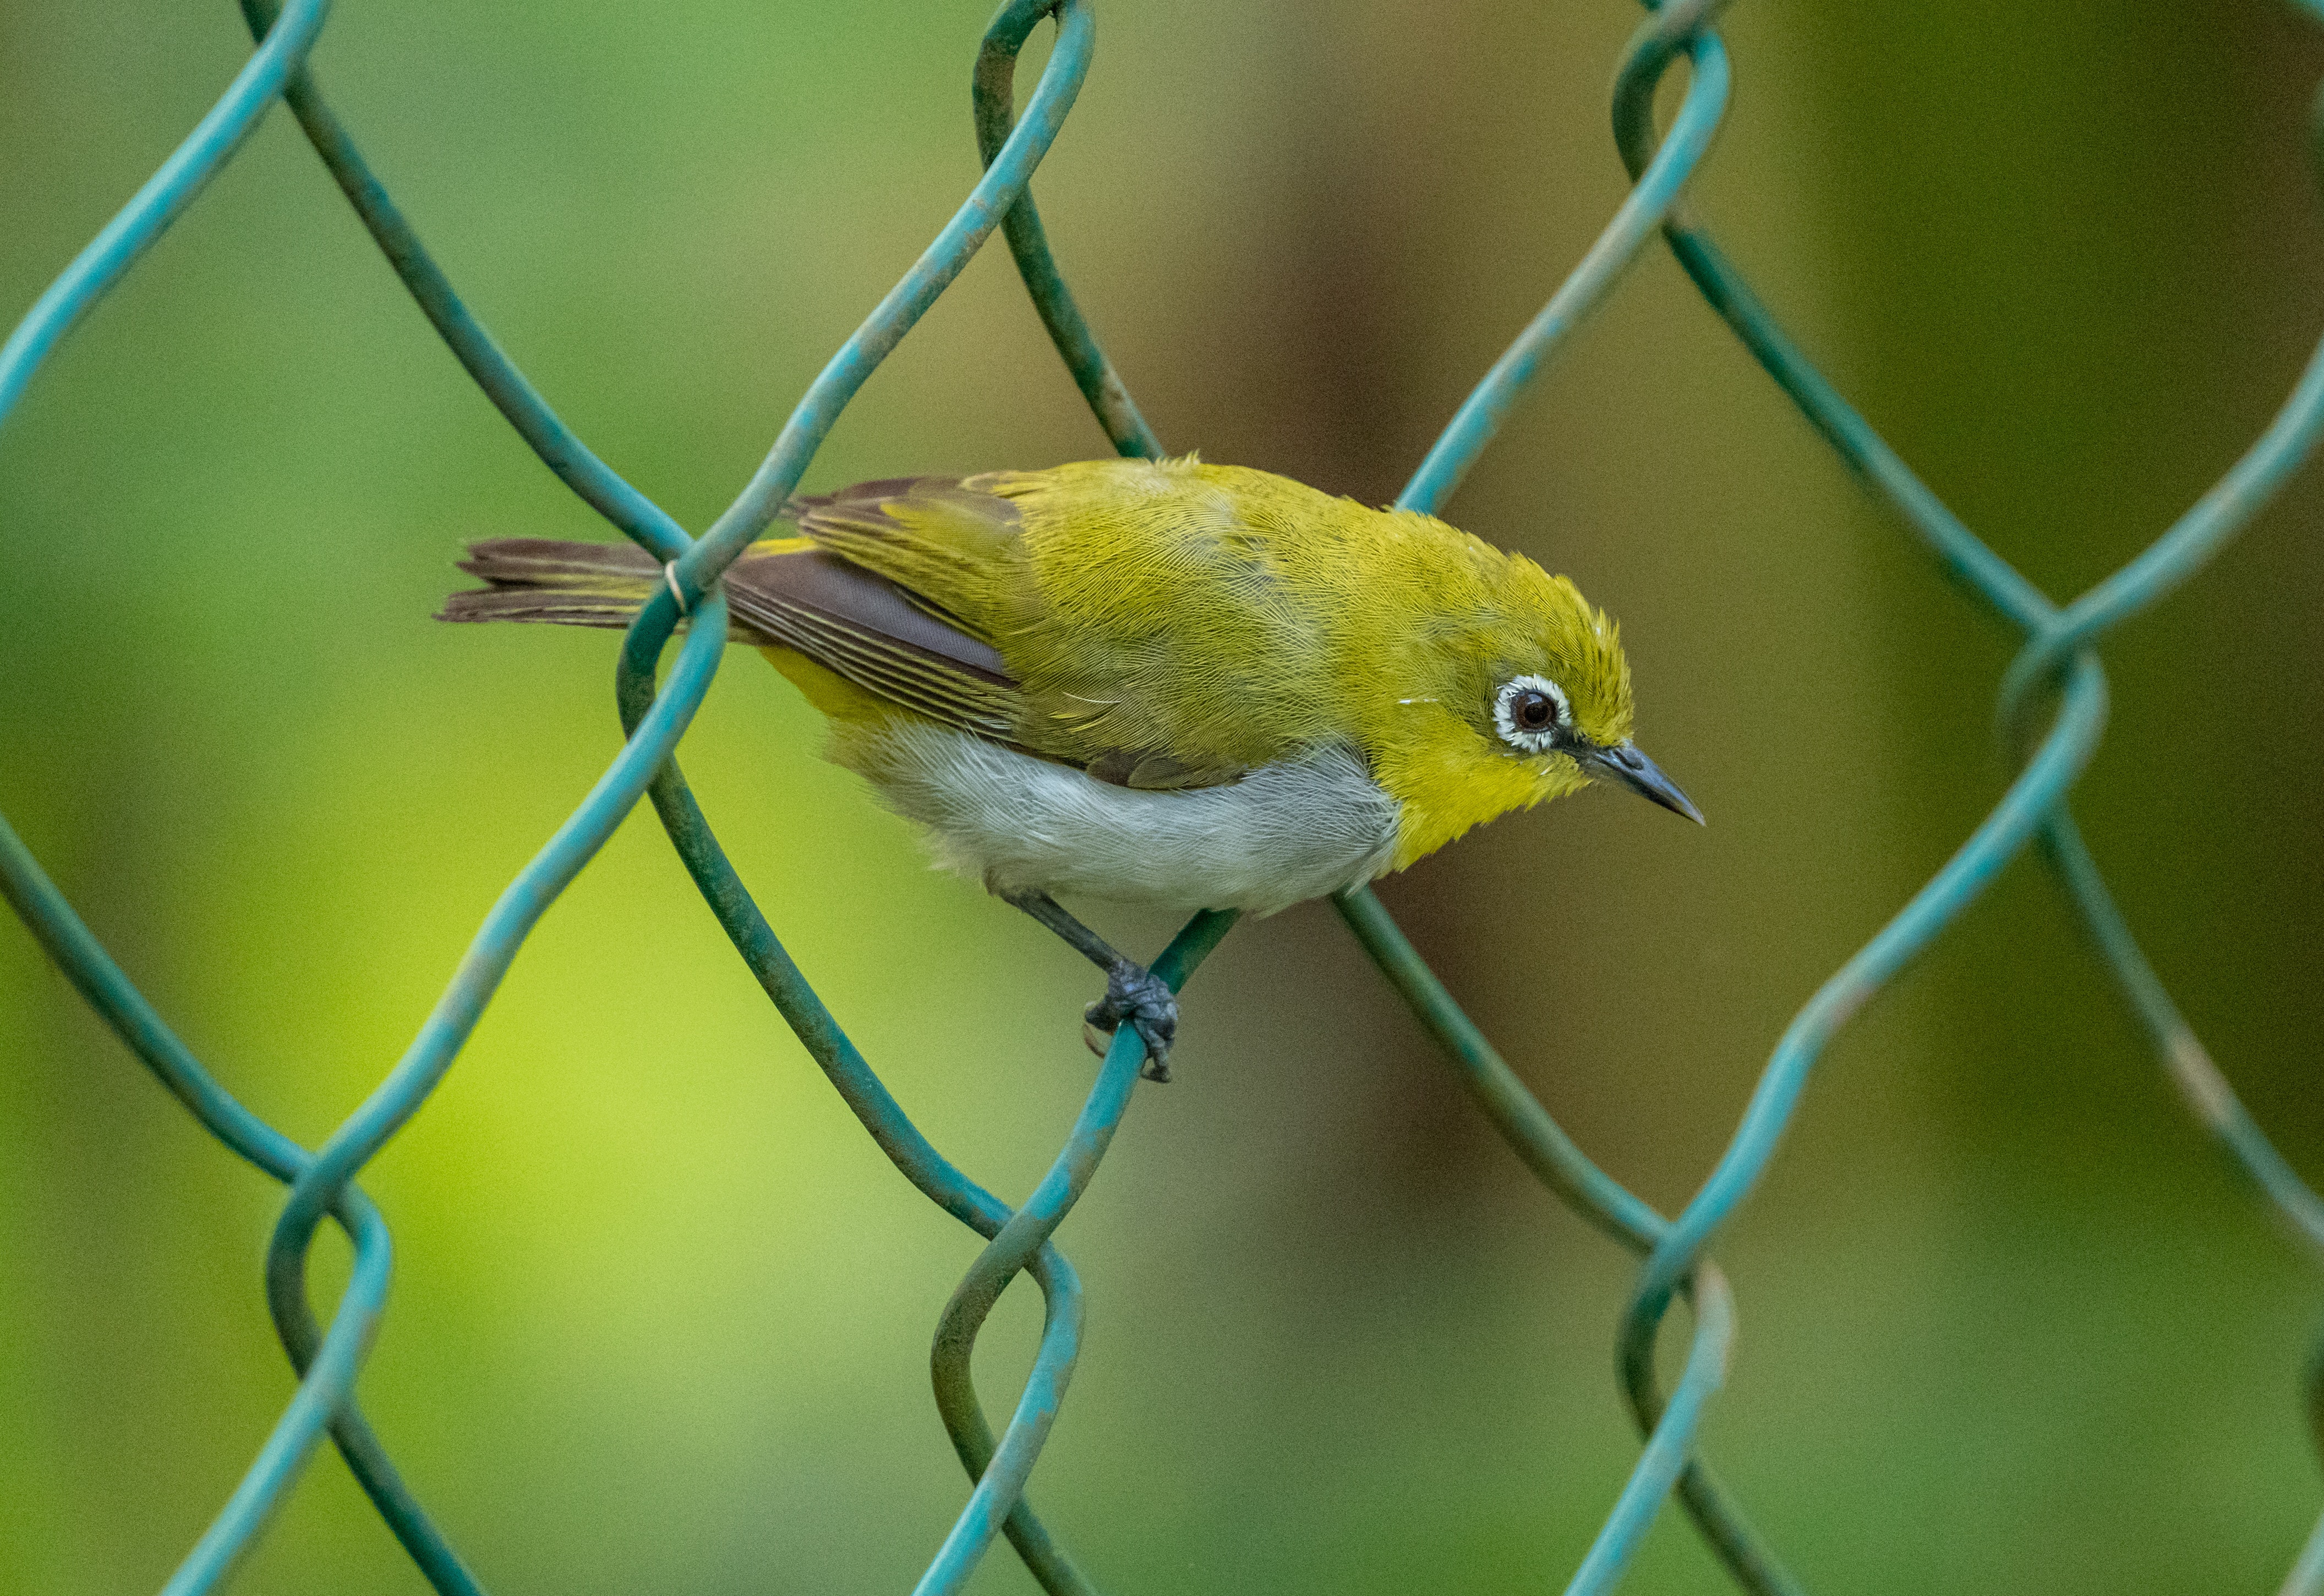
{"points": [[1132, 992], [1135, 993]]}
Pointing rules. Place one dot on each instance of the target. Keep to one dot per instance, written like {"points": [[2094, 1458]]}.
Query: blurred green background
{"points": [[661, 1310]]}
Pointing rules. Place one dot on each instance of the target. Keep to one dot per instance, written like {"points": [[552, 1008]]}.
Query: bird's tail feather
{"points": [[569, 583]]}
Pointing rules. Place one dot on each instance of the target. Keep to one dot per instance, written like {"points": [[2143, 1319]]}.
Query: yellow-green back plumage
{"points": [[1174, 624]]}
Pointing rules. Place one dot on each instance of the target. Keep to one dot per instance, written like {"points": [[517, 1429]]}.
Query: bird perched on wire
{"points": [[1198, 687]]}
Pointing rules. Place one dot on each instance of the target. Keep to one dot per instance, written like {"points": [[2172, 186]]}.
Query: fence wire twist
{"points": [[2057, 663]]}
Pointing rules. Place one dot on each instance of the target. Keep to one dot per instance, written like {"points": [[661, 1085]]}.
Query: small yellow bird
{"points": [[1199, 686]]}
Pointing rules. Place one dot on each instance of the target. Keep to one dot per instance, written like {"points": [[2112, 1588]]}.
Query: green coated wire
{"points": [[995, 1498], [573, 463], [2221, 512], [1652, 51], [325, 1365], [556, 443], [68, 941], [1682, 28], [1001, 1470], [992, 100], [936, 1177], [322, 1184], [161, 200], [1003, 184], [1668, 1425], [1561, 1165]]}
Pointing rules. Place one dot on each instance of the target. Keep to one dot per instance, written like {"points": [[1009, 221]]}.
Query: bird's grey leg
{"points": [[1132, 992]]}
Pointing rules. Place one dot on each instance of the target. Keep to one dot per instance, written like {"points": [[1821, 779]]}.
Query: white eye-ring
{"points": [[1529, 711]]}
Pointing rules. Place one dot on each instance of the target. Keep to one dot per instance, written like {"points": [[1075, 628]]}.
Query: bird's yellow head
{"points": [[1504, 687]]}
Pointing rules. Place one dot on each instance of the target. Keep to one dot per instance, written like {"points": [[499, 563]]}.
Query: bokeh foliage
{"points": [[661, 1311]]}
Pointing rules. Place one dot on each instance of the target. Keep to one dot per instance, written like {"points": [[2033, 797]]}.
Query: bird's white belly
{"points": [[1284, 833]]}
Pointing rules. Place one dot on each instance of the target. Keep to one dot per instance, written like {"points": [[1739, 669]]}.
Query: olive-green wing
{"points": [[873, 632], [952, 550], [955, 548]]}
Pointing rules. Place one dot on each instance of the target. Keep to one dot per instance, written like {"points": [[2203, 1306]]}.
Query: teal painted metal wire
{"points": [[322, 1184]]}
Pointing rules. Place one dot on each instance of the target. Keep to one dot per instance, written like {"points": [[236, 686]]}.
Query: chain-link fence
{"points": [[2057, 674]]}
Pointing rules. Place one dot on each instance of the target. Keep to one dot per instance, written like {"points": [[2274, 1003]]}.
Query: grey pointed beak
{"points": [[1623, 763]]}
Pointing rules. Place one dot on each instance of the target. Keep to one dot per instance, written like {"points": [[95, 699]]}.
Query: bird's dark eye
{"points": [[1531, 715]]}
